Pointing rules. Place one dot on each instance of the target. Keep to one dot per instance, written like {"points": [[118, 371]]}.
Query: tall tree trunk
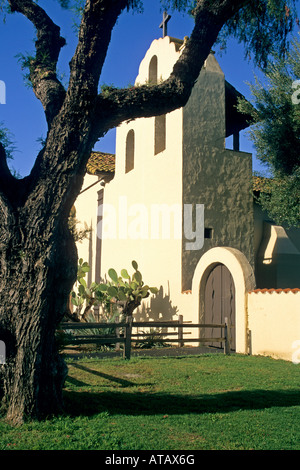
{"points": [[39, 274], [38, 265]]}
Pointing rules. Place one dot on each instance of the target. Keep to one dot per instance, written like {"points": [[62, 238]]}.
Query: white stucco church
{"points": [[181, 204]]}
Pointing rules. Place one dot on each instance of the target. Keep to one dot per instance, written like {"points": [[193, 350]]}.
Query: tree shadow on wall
{"points": [[157, 308]]}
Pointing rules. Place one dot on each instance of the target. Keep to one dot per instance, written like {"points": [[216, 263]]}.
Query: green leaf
{"points": [[77, 301], [81, 290], [153, 290], [135, 265], [138, 277], [85, 269], [112, 291], [133, 285], [122, 295], [74, 301], [125, 274], [99, 295], [82, 282], [113, 275], [102, 287]]}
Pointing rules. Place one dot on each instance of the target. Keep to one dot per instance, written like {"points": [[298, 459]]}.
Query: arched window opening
{"points": [[129, 164], [153, 71], [160, 134]]}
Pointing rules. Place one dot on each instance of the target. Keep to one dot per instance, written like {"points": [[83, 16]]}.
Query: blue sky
{"points": [[23, 114]]}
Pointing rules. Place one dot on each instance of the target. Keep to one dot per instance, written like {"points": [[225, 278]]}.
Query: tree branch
{"points": [[5, 173], [6, 222], [47, 88], [144, 101], [68, 156], [6, 178], [6, 211], [98, 20], [13, 189]]}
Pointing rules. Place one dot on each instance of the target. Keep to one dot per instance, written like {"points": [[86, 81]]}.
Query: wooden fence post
{"points": [[180, 331], [117, 320], [227, 337], [128, 331]]}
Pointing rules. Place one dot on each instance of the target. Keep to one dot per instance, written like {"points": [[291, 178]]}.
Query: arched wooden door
{"points": [[219, 303]]}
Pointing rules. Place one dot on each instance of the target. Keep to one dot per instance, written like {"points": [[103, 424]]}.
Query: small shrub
{"points": [[152, 339]]}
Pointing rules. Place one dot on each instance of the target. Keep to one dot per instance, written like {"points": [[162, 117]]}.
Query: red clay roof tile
{"points": [[101, 162], [277, 291]]}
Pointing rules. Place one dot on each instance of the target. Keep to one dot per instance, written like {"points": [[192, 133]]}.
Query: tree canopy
{"points": [[276, 135]]}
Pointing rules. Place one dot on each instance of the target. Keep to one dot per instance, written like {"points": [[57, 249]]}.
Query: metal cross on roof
{"points": [[164, 23]]}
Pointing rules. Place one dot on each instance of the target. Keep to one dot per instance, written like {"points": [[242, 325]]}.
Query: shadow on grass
{"points": [[138, 403], [122, 382]]}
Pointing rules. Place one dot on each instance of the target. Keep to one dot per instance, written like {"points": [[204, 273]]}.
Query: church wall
{"points": [[274, 323], [218, 178], [277, 253], [144, 199], [153, 194], [260, 217], [86, 215], [142, 207], [165, 52]]}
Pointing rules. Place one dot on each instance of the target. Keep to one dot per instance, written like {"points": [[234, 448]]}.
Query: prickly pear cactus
{"points": [[125, 290]]}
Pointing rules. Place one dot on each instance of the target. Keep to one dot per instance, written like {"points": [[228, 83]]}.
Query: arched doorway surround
{"points": [[244, 281]]}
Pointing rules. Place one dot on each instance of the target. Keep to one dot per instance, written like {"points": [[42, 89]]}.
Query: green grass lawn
{"points": [[209, 402]]}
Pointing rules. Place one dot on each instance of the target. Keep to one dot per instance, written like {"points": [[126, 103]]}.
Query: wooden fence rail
{"points": [[129, 337]]}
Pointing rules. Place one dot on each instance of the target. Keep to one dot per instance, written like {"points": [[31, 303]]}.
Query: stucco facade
{"points": [[192, 167], [167, 167], [148, 198], [274, 323], [219, 178]]}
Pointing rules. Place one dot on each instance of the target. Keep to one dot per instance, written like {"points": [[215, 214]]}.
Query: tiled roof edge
{"points": [[101, 162], [277, 291]]}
